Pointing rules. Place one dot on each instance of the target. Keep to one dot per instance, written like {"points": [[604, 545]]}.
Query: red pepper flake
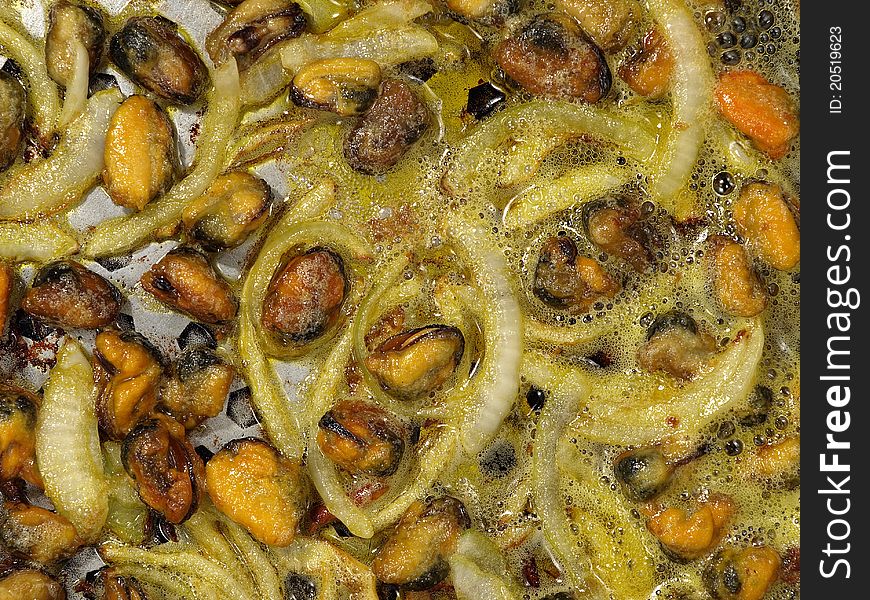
{"points": [[531, 577], [791, 566], [673, 422]]}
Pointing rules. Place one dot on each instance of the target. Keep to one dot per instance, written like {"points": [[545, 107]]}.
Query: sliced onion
{"points": [[185, 560], [324, 14], [472, 583], [264, 142], [691, 91], [44, 98], [68, 443], [48, 186], [497, 382], [127, 513], [325, 478], [124, 233], [534, 129], [281, 421], [634, 410], [41, 242], [561, 408], [581, 185], [339, 576], [76, 95]]}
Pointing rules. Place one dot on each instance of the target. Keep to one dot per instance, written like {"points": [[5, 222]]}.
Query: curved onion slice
{"points": [[471, 582], [325, 479], [68, 443], [44, 98], [691, 90], [534, 129], [76, 96], [581, 185], [124, 233], [48, 186], [43, 241], [498, 379], [561, 408], [324, 14], [642, 409], [179, 558]]}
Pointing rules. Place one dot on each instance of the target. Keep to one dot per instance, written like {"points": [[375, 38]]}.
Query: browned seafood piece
{"points": [[141, 157], [30, 584], [345, 86], [643, 473], [232, 208], [128, 369], [551, 56], [251, 483], [762, 110], [37, 533], [396, 120], [305, 296], [616, 226], [69, 25], [184, 280], [167, 471], [687, 536], [253, 27], [765, 218], [742, 574], [198, 387], [150, 51], [18, 409], [737, 287], [567, 281], [676, 346], [67, 294], [415, 555], [648, 71], [416, 362], [610, 23], [361, 438]]}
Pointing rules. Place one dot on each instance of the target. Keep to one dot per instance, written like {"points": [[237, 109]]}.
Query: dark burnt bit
{"points": [[499, 460], [239, 408], [536, 398], [299, 587], [196, 334], [484, 99], [423, 69]]}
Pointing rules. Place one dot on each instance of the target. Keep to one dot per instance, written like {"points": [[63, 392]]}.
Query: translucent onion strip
{"points": [[76, 95], [118, 235], [691, 90], [325, 478], [45, 187], [644, 408], [68, 443], [41, 242], [581, 185], [541, 126], [43, 94], [181, 559], [324, 14], [562, 407], [498, 378]]}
